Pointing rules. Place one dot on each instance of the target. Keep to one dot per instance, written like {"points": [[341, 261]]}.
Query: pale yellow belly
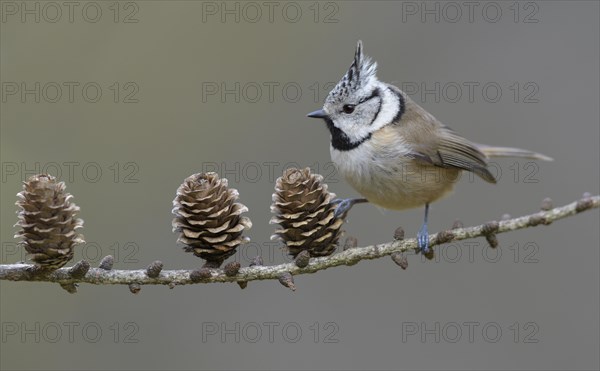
{"points": [[405, 187], [385, 174]]}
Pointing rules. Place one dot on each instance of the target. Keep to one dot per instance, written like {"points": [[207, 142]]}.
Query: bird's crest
{"points": [[361, 73]]}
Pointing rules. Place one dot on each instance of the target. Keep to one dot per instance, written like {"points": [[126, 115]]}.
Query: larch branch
{"points": [[154, 275]]}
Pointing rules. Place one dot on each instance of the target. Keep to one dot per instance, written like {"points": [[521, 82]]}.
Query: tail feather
{"points": [[491, 151]]}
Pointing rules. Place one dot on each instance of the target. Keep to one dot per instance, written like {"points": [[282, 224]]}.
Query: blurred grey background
{"points": [[135, 96]]}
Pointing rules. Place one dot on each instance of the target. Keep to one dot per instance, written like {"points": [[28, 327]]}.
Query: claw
{"points": [[344, 205]]}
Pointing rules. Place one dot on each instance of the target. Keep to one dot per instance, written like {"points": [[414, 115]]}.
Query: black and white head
{"points": [[359, 104]]}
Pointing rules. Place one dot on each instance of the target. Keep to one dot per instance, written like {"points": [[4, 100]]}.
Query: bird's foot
{"points": [[423, 240], [345, 204]]}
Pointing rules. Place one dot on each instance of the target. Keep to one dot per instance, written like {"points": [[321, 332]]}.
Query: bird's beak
{"points": [[318, 114]]}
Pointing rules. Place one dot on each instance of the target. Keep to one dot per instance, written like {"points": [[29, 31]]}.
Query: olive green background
{"points": [[540, 288]]}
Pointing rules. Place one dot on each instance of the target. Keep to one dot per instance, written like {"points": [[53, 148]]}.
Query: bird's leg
{"points": [[423, 235], [345, 204]]}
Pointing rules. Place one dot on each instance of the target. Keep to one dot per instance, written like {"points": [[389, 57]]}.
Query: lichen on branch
{"points": [[68, 278]]}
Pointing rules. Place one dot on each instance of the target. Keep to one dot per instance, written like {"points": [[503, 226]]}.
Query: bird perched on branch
{"points": [[392, 151]]}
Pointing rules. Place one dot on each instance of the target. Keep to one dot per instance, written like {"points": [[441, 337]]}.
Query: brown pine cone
{"points": [[47, 220], [305, 213], [208, 217]]}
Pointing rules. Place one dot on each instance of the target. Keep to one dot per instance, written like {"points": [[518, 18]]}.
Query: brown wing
{"points": [[438, 145], [451, 150]]}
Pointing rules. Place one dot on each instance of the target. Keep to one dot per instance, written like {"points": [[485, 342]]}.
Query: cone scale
{"points": [[303, 209], [208, 218], [47, 220]]}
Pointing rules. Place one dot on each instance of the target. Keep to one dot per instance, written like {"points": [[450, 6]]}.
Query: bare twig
{"points": [[97, 276]]}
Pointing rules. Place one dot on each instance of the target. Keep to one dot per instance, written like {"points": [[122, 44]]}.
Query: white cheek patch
{"points": [[362, 129], [389, 106]]}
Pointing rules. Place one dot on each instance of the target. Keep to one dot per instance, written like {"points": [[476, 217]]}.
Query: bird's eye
{"points": [[348, 108]]}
